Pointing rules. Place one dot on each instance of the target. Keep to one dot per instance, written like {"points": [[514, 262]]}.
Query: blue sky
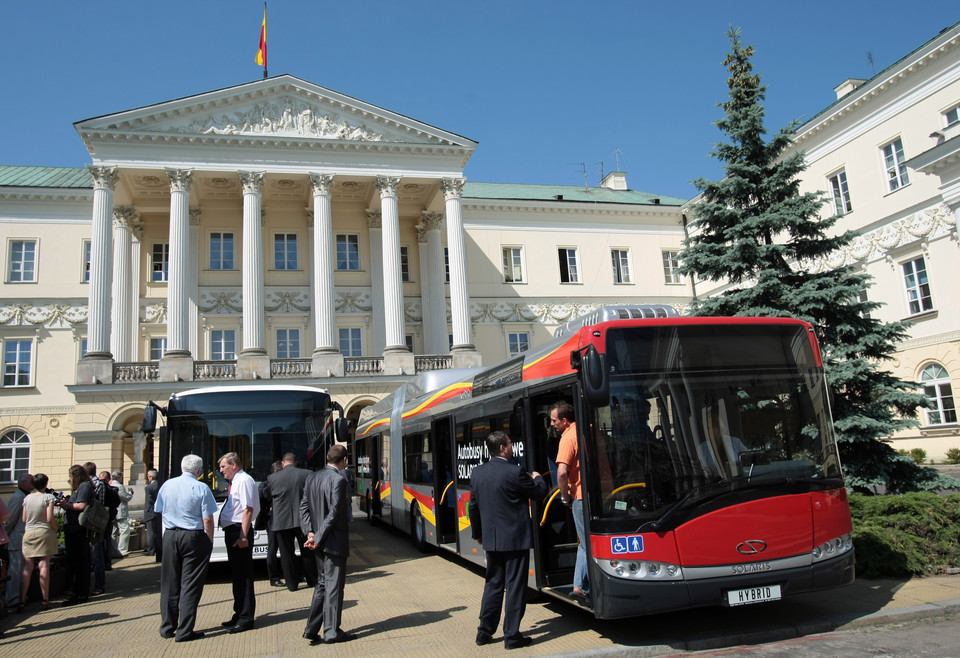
{"points": [[542, 86]]}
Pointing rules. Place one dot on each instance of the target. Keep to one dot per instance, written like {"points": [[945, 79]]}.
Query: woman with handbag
{"points": [[75, 536], [39, 539]]}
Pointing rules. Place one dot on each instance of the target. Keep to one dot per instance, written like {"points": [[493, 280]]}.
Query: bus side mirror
{"points": [[342, 430], [593, 374], [149, 425]]}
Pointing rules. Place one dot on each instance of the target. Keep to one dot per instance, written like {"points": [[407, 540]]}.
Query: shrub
{"points": [[905, 535], [953, 456], [919, 455]]}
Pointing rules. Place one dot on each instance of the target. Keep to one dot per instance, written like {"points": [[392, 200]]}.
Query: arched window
{"points": [[936, 386], [14, 455]]}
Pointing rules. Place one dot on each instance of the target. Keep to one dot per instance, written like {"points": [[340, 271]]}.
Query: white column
{"points": [[101, 263], [392, 281], [134, 319], [431, 266], [194, 293], [253, 297], [324, 313], [178, 271], [376, 281], [459, 292], [121, 337]]}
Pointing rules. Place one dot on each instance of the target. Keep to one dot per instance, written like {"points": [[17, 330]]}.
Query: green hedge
{"points": [[906, 534]]}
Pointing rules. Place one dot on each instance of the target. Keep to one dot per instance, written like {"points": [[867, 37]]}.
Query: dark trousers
{"points": [[241, 572], [326, 609], [506, 570], [154, 533], [78, 561], [273, 562], [294, 567], [186, 554]]}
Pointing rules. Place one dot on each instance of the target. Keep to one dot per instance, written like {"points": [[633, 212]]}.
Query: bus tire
{"points": [[418, 528]]}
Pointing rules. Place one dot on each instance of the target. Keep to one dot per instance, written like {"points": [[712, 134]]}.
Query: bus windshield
{"points": [[696, 410], [260, 426]]}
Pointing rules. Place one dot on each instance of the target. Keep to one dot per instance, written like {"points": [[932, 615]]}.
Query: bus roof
{"points": [[255, 388]]}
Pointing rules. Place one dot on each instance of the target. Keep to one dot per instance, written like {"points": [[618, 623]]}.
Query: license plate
{"points": [[750, 595]]}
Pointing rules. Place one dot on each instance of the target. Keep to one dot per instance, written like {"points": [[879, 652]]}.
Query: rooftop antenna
{"points": [[617, 152], [583, 170], [870, 59], [601, 170]]}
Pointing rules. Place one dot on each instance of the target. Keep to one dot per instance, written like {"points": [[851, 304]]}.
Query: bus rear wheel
{"points": [[418, 528]]}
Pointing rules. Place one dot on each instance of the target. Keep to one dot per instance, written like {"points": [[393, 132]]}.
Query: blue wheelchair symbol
{"points": [[631, 544], [618, 544]]}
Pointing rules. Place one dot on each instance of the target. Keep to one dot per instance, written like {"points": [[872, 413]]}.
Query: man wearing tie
{"points": [[500, 494], [236, 519]]}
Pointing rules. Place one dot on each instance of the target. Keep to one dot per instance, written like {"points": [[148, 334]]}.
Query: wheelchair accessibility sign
{"points": [[628, 544]]}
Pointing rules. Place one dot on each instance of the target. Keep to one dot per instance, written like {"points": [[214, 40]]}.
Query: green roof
{"points": [[519, 192], [57, 177]]}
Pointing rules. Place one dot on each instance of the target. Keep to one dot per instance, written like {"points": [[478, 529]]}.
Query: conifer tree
{"points": [[754, 232]]}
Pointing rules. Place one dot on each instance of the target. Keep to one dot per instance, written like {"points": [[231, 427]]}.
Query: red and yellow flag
{"points": [[262, 52]]}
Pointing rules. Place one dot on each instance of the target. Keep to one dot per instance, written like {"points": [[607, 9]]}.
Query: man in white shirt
{"points": [[236, 519]]}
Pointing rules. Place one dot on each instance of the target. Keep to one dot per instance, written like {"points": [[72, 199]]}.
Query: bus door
{"points": [[445, 485], [556, 535]]}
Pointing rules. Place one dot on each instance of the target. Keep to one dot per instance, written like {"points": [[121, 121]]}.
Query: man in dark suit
{"points": [[500, 494], [285, 489], [324, 521], [152, 519]]}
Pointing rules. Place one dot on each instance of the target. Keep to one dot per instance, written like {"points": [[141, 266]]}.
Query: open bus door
{"points": [[445, 485]]}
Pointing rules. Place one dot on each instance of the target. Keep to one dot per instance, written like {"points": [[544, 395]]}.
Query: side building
{"points": [[278, 230]]}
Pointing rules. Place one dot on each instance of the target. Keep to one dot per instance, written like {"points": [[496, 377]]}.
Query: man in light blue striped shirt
{"points": [[188, 507]]}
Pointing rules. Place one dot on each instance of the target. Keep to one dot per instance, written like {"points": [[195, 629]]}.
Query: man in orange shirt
{"points": [[568, 479]]}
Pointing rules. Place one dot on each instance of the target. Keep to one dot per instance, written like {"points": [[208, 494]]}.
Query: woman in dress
{"points": [[39, 539]]}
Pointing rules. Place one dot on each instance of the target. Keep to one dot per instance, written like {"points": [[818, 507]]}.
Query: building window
{"points": [[23, 261], [952, 115], [348, 252], [569, 269], [221, 251], [86, 261], [285, 251], [841, 193], [513, 265], [17, 362], [161, 262], [404, 265], [621, 265], [518, 342], [446, 264], [158, 347], [83, 347], [14, 456], [350, 342], [936, 386], [288, 343], [223, 345], [918, 287], [449, 342], [895, 165], [408, 341], [670, 265]]}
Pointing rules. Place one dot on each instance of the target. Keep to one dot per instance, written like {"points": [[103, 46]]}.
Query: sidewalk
{"points": [[401, 602]]}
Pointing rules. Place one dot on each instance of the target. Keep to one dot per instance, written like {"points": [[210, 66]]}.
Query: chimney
{"points": [[847, 86], [615, 180]]}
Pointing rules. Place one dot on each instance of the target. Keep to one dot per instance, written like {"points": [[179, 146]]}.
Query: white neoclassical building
{"points": [[278, 230]]}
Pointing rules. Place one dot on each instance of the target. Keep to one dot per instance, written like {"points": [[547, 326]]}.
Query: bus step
{"points": [[565, 547]]}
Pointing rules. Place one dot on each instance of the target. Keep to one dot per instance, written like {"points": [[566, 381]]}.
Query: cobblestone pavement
{"points": [[400, 602]]}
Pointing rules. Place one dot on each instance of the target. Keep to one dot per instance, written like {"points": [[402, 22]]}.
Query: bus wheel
{"points": [[418, 528], [371, 518]]}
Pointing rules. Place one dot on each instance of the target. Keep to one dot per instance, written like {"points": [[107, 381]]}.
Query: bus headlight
{"points": [[833, 547], [645, 570]]}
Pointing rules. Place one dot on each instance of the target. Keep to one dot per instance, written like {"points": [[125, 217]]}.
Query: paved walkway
{"points": [[403, 603]]}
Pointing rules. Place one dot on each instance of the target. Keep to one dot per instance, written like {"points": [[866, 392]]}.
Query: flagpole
{"points": [[264, 40]]}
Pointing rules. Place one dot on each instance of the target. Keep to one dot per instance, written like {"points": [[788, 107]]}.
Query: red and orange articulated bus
{"points": [[709, 466]]}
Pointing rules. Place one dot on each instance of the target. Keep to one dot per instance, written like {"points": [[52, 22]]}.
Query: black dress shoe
{"points": [[313, 637], [341, 637], [518, 644], [229, 623], [167, 635], [240, 628], [276, 582], [483, 638], [190, 637]]}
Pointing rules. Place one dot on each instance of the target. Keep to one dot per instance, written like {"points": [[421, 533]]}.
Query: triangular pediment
{"points": [[282, 108]]}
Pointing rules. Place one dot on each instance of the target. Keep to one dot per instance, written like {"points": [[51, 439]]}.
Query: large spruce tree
{"points": [[755, 232]]}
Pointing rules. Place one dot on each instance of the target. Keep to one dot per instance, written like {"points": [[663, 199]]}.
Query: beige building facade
{"points": [[279, 231]]}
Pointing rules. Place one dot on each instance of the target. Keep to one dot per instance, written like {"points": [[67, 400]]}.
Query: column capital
{"points": [[430, 221], [125, 217], [388, 185], [452, 187], [321, 183], [103, 177], [195, 212], [179, 179], [374, 219], [252, 181]]}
